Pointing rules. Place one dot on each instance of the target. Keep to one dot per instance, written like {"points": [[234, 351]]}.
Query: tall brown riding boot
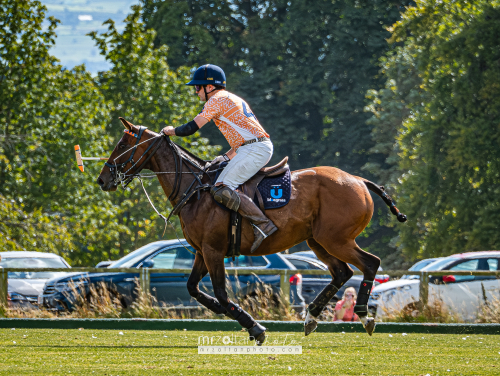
{"points": [[262, 226]]}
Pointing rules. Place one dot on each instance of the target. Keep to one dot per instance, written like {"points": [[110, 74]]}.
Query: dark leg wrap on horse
{"points": [[211, 303], [361, 307], [320, 302], [256, 331], [238, 314]]}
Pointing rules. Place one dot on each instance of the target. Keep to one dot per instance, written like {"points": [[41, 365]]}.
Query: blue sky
{"points": [[79, 17]]}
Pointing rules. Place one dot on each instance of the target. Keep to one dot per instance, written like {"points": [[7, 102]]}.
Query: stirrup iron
{"points": [[262, 232]]}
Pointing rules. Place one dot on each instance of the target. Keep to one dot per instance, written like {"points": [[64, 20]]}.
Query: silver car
{"points": [[462, 294], [25, 287]]}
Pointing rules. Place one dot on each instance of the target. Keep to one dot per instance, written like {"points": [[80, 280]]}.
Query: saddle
{"points": [[250, 188], [277, 169]]}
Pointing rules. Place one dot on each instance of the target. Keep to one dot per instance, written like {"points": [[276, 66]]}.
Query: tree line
{"points": [[401, 93], [46, 203]]}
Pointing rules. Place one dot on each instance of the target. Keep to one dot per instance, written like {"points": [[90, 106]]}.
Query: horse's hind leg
{"points": [[197, 273], [368, 264], [340, 272], [215, 264]]}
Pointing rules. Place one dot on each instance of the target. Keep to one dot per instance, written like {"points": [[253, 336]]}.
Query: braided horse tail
{"points": [[380, 191]]}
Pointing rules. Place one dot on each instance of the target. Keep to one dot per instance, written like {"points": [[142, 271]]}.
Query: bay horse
{"points": [[328, 208]]}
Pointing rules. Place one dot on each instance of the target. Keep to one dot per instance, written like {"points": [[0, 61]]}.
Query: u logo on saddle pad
{"points": [[276, 192]]}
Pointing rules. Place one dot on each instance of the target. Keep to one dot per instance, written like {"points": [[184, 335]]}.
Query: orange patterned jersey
{"points": [[233, 117]]}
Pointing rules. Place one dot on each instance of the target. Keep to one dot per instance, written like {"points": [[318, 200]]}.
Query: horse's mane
{"points": [[188, 155]]}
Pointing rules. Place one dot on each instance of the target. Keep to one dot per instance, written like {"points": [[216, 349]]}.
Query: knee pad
{"points": [[226, 196]]}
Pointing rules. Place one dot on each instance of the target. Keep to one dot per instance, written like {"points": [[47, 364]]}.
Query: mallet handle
{"points": [[80, 159]]}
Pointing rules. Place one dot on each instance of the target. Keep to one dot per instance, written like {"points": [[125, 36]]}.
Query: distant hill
{"points": [[79, 17]]}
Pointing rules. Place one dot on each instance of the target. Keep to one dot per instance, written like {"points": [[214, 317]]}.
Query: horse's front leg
{"points": [[215, 263], [199, 271]]}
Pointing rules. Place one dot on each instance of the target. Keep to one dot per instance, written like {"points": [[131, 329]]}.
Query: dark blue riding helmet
{"points": [[208, 74]]}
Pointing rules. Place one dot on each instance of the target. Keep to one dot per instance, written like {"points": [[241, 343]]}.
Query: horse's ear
{"points": [[126, 124]]}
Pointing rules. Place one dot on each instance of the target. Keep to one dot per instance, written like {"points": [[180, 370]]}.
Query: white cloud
{"points": [[85, 17]]}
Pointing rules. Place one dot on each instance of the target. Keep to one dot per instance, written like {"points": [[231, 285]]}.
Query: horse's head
{"points": [[128, 157]]}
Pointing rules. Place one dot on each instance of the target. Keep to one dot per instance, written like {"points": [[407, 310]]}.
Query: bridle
{"points": [[124, 177]]}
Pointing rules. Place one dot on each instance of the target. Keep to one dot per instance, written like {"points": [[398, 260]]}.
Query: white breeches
{"points": [[248, 161]]}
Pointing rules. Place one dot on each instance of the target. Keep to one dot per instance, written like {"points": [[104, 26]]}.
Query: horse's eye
{"points": [[122, 146]]}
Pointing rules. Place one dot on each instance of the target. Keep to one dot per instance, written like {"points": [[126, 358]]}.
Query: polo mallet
{"points": [[80, 159]]}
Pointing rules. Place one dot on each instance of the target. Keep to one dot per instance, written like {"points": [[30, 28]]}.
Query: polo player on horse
{"points": [[251, 147]]}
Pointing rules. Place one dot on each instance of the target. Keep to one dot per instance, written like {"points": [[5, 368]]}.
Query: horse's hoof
{"points": [[257, 332], [261, 338], [310, 324], [370, 325], [310, 327]]}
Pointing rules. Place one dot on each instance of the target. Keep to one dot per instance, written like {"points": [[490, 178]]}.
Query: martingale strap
{"points": [[234, 247]]}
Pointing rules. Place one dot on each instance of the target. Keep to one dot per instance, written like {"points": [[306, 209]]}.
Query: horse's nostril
{"points": [[100, 182]]}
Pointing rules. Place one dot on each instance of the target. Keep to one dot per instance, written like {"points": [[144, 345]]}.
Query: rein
{"points": [[180, 161], [124, 179]]}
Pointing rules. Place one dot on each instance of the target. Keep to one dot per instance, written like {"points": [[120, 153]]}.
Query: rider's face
{"points": [[201, 92]]}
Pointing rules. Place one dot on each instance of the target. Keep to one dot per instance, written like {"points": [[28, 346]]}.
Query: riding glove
{"points": [[221, 158]]}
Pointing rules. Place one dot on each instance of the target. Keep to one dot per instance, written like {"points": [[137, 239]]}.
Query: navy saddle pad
{"points": [[275, 190]]}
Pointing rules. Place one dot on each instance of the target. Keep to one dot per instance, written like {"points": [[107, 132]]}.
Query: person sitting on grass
{"points": [[344, 309]]}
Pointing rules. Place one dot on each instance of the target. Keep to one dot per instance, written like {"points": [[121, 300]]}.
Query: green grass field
{"points": [[114, 352]]}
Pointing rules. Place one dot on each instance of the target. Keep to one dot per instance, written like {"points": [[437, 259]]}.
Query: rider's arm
{"points": [[187, 129], [201, 121], [225, 157], [231, 154]]}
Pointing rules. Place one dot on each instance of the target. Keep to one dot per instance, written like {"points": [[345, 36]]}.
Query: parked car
{"points": [[461, 294], [418, 267], [169, 288], [312, 284], [25, 287], [104, 264], [380, 278]]}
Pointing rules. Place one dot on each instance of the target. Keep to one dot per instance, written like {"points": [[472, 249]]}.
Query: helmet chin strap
{"points": [[205, 86], [205, 91]]}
